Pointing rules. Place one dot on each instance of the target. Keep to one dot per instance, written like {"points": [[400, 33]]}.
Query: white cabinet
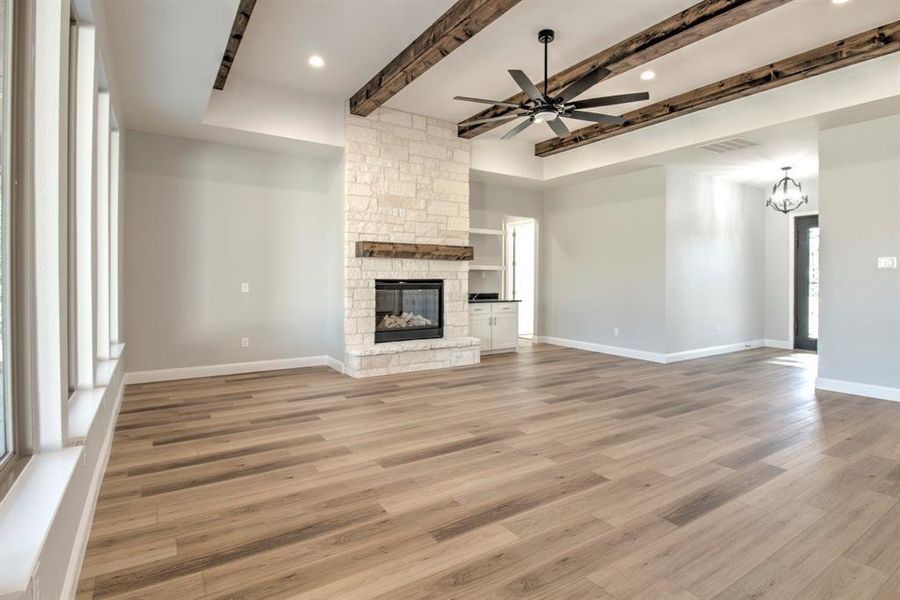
{"points": [[496, 324], [505, 332], [480, 327]]}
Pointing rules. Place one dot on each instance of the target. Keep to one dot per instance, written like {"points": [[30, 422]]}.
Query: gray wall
{"points": [[779, 266], [490, 204], [715, 261], [200, 219], [859, 218], [603, 261]]}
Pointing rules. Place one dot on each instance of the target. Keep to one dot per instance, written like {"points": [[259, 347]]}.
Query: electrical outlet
{"points": [[245, 342], [887, 262], [718, 328], [615, 331], [245, 288]]}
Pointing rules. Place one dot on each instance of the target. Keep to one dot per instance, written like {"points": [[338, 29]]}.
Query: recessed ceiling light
{"points": [[648, 75], [840, 1], [316, 61]]}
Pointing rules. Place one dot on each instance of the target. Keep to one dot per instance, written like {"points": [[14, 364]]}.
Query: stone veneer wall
{"points": [[407, 180]]}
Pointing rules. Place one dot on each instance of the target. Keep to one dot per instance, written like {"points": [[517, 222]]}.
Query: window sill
{"points": [[83, 408], [84, 404], [28, 511]]}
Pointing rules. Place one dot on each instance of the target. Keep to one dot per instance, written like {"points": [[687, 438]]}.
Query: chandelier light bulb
{"points": [[787, 194]]}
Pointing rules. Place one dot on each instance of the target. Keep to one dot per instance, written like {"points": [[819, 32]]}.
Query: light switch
{"points": [[887, 262], [245, 288], [245, 342]]}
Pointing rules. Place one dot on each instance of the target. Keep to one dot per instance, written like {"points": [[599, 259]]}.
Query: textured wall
{"points": [[406, 180]]}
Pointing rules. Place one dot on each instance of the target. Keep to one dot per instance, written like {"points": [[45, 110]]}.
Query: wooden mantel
{"points": [[421, 251]]}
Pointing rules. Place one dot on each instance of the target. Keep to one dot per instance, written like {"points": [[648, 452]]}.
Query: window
{"points": [[6, 415], [71, 315]]}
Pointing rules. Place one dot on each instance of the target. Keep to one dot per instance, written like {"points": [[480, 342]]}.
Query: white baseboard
{"points": [[603, 349], [335, 364], [232, 369], [649, 356], [858, 389], [712, 351], [783, 344]]}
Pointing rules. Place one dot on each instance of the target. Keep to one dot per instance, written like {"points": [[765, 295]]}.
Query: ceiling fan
{"points": [[542, 108]]}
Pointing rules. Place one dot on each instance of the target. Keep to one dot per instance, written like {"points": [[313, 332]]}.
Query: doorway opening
{"points": [[806, 282], [521, 280]]}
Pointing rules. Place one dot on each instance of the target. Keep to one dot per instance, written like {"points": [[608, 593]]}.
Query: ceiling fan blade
{"points": [[517, 129], [500, 118], [485, 101], [610, 100], [522, 80], [584, 84], [559, 128], [583, 115]]}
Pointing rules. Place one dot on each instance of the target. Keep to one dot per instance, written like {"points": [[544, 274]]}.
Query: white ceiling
{"points": [[478, 68], [793, 144], [166, 54], [356, 38], [282, 35]]}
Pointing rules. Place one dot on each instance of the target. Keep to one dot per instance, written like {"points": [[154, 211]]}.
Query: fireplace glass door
{"points": [[408, 309]]}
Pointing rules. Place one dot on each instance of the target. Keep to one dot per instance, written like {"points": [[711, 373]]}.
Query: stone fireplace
{"points": [[407, 182]]}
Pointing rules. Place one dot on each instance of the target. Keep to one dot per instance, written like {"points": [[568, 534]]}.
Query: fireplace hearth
{"points": [[408, 309]]}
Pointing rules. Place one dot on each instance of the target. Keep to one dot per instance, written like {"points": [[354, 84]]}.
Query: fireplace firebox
{"points": [[408, 309]]}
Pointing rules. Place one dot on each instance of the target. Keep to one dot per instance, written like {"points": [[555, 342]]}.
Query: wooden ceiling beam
{"points": [[241, 19], [836, 55], [456, 26], [697, 22]]}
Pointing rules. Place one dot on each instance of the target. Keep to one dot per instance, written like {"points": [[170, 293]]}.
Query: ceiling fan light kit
{"points": [[543, 108]]}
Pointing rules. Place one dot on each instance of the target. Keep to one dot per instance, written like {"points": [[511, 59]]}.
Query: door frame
{"points": [[507, 278], [798, 305], [792, 228]]}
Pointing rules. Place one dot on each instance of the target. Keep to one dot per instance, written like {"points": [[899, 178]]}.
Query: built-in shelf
{"points": [[487, 268], [482, 231]]}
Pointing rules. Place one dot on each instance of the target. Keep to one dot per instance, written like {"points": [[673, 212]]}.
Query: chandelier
{"points": [[787, 194]]}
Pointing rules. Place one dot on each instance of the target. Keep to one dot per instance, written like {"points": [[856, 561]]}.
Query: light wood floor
{"points": [[551, 474]]}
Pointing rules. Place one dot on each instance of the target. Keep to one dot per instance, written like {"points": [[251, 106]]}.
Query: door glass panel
{"points": [[5, 405], [813, 278]]}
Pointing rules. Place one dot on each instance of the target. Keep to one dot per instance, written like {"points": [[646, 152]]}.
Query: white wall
{"points": [[780, 267], [714, 261], [859, 219], [201, 219], [603, 261]]}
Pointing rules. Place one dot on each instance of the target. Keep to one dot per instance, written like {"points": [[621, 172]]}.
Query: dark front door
{"points": [[806, 283]]}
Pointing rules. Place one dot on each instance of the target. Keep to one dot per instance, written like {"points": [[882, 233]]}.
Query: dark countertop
{"points": [[488, 301]]}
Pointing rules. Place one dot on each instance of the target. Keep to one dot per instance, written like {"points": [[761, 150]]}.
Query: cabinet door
{"points": [[480, 327], [505, 333]]}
